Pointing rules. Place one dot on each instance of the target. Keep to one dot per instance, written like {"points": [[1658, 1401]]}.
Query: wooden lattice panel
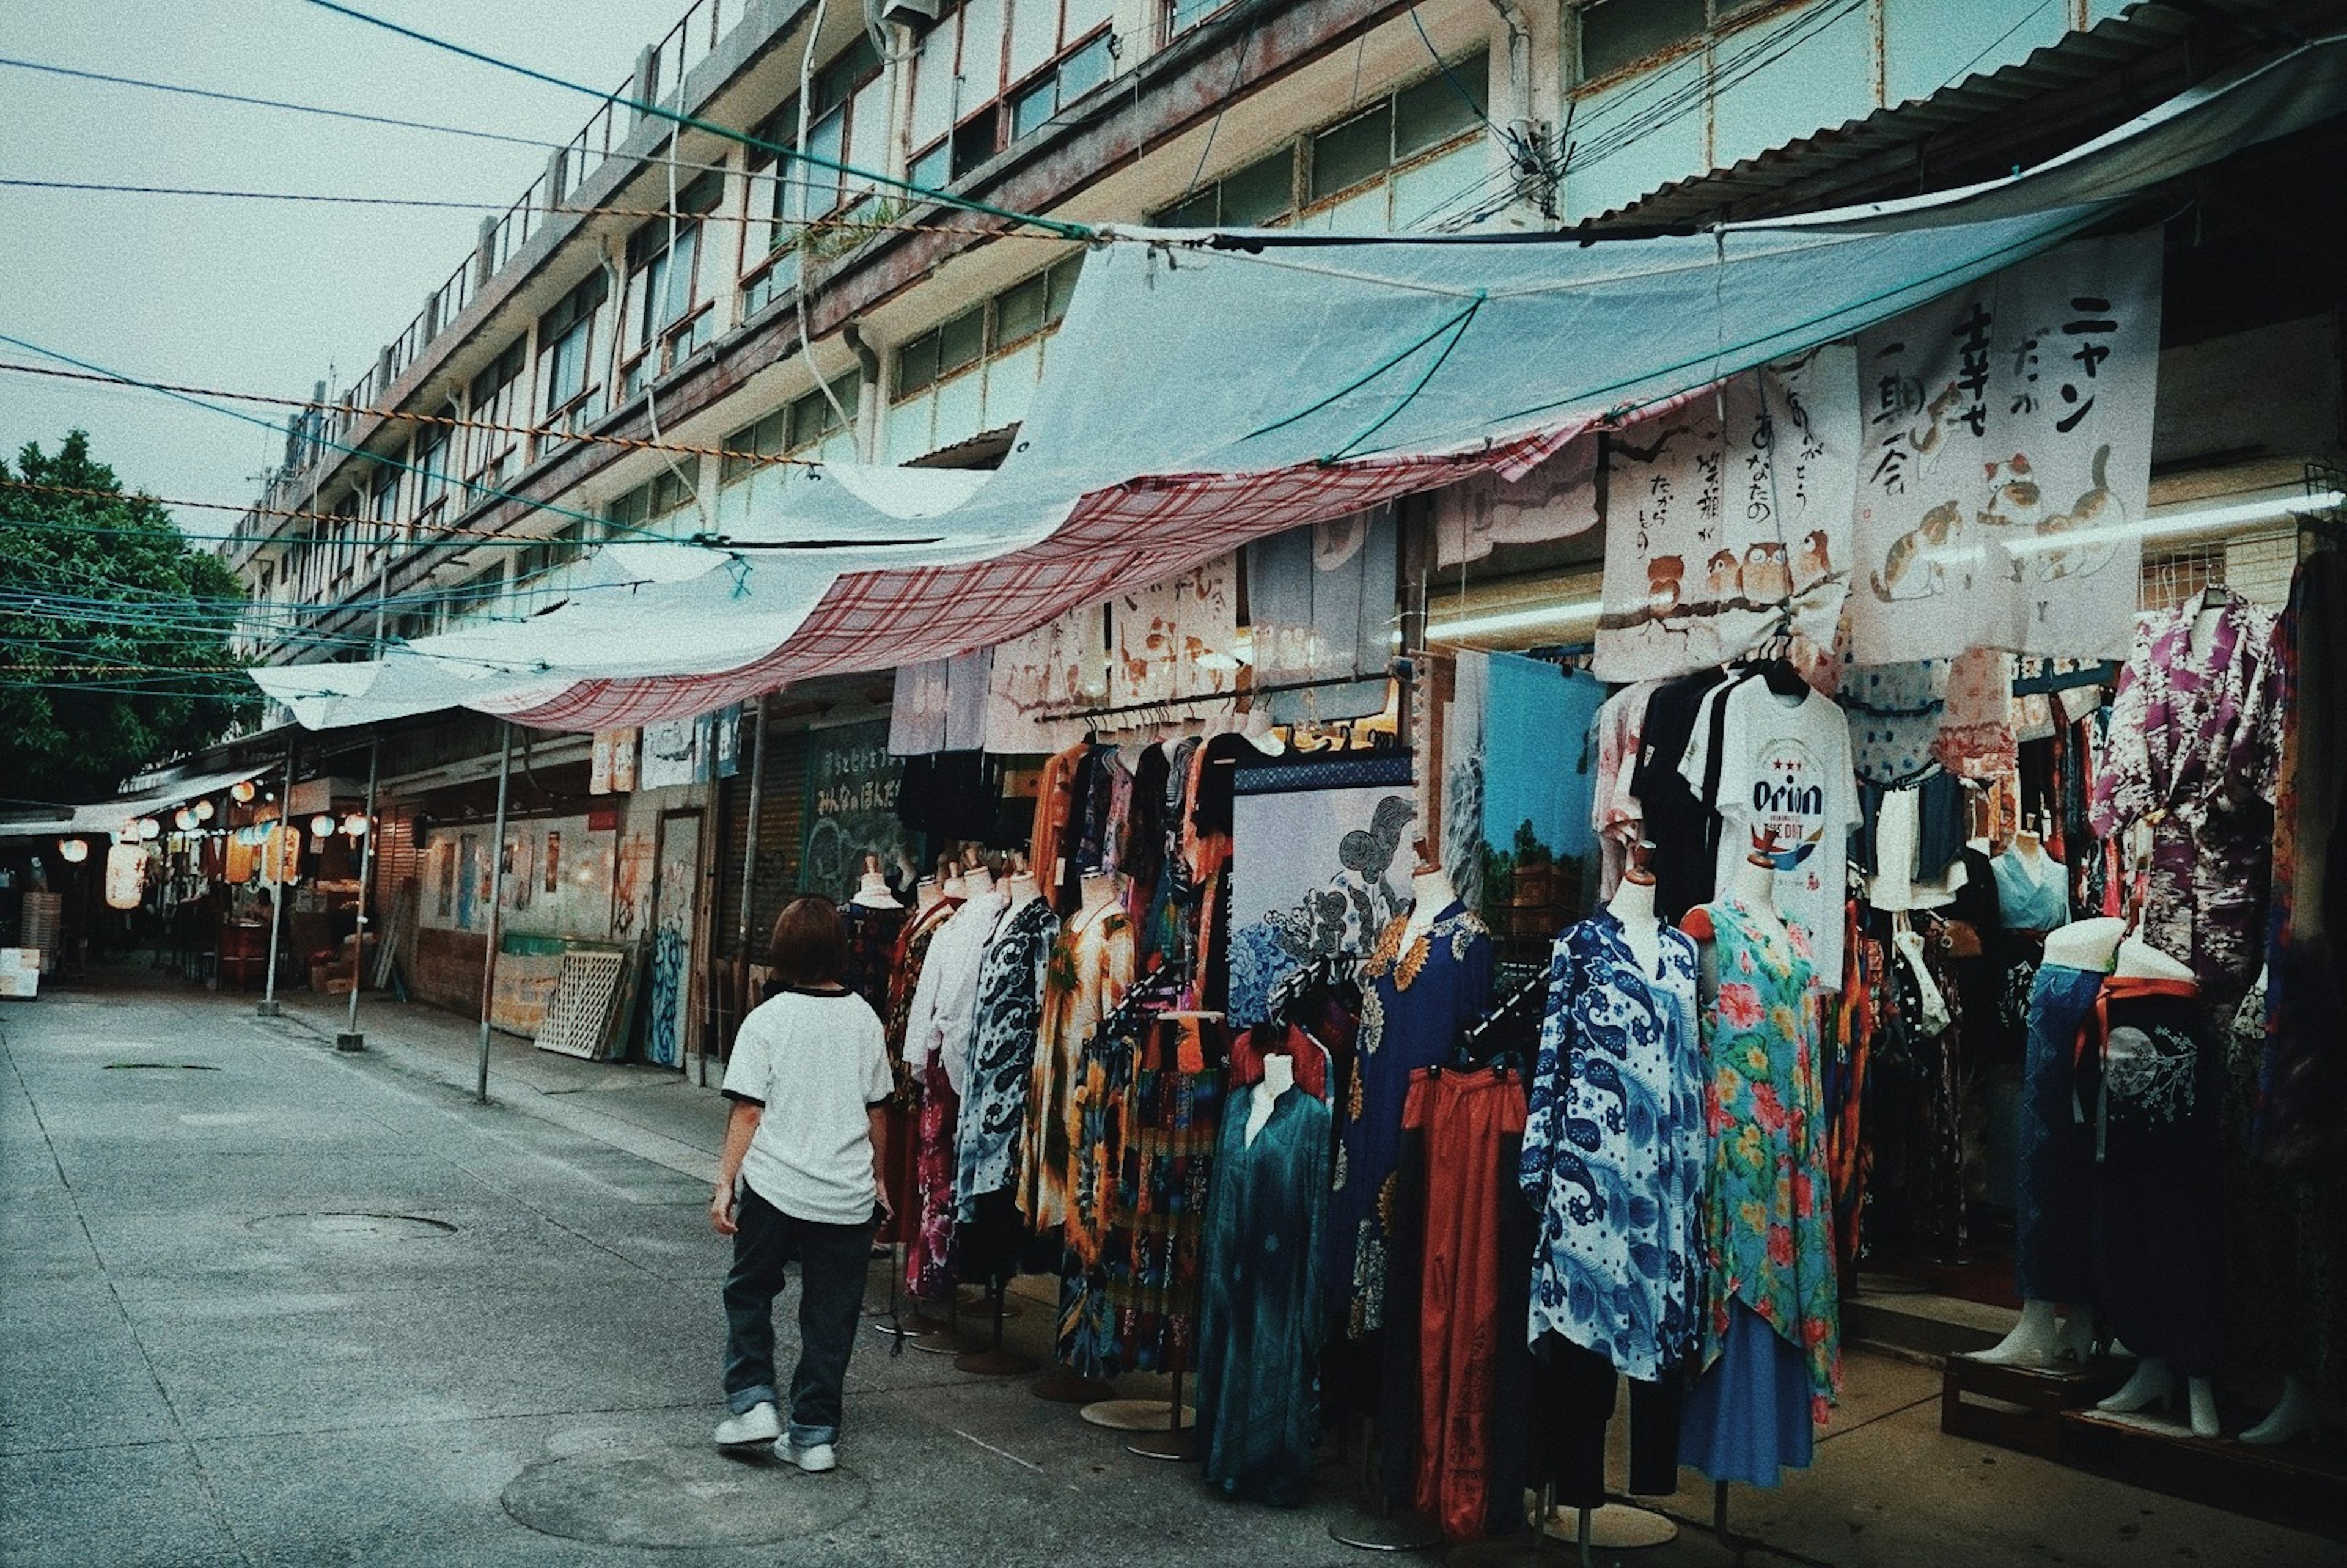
{"points": [[579, 1014]]}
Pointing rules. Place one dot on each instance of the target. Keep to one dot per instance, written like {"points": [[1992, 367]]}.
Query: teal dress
{"points": [[1260, 1315]]}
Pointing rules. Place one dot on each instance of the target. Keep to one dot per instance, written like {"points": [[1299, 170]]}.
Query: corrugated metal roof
{"points": [[2105, 53]]}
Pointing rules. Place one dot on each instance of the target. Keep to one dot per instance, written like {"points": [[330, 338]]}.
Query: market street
{"points": [[265, 1303]]}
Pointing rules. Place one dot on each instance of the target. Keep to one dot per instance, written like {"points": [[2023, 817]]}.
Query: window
{"points": [[383, 508], [669, 490], [664, 317], [1612, 33], [977, 372], [1180, 16], [995, 70], [804, 423], [847, 124], [432, 470], [495, 406], [1393, 166], [568, 395]]}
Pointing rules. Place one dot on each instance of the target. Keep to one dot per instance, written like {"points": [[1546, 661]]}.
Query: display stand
{"points": [[945, 1338], [1516, 1551], [1377, 1525], [1617, 1527], [1165, 1428], [975, 1296], [995, 1361]]}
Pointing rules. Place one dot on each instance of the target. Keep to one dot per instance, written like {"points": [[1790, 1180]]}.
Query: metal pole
{"points": [[749, 865], [497, 897], [351, 1038], [268, 1007]]}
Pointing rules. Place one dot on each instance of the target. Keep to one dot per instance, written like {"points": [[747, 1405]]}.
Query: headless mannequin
{"points": [[957, 885], [1278, 1078], [872, 893], [2155, 1381], [2038, 1340], [926, 896], [1100, 891], [977, 882], [1431, 893], [1022, 889], [1754, 887], [1632, 904]]}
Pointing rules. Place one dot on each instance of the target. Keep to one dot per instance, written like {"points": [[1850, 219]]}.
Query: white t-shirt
{"points": [[1785, 767], [819, 1063]]}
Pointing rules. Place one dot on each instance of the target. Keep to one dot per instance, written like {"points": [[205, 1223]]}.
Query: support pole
{"points": [[351, 1038], [749, 862], [497, 897], [268, 1007]]}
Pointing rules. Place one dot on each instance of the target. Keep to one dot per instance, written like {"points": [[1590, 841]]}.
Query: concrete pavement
{"points": [[262, 1302]]}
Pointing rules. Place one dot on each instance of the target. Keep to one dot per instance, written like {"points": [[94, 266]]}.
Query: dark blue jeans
{"points": [[831, 1261]]}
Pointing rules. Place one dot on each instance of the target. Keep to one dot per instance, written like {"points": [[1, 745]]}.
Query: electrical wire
{"points": [[444, 421], [479, 536], [1061, 227]]}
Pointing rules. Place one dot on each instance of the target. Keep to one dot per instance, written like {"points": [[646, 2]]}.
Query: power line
{"points": [[1065, 230], [448, 421], [479, 536]]}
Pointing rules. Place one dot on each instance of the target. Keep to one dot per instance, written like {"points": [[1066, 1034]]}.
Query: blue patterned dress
{"points": [[1615, 1148]]}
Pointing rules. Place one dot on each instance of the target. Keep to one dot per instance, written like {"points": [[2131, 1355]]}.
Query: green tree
{"points": [[114, 650]]}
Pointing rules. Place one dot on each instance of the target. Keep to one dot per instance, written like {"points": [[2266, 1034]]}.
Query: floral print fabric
{"points": [[1768, 1228], [1614, 1151], [1090, 970]]}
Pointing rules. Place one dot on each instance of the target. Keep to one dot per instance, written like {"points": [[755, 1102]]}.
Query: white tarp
{"points": [[108, 816], [1199, 397]]}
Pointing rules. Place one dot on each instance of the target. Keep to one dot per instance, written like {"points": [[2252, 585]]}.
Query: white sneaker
{"points": [[758, 1424], [814, 1459]]}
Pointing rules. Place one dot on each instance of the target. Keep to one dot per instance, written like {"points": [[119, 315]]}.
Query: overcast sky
{"points": [[253, 296]]}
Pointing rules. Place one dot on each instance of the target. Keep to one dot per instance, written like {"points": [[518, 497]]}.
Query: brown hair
{"points": [[809, 946]]}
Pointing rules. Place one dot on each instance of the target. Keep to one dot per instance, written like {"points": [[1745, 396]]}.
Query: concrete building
{"points": [[663, 309]]}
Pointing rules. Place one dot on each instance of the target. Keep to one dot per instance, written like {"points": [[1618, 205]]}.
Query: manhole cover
{"points": [[158, 1066], [680, 1497], [386, 1227]]}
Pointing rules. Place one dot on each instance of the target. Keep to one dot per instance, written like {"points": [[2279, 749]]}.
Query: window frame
{"points": [[1721, 19], [580, 314], [657, 333], [997, 108]]}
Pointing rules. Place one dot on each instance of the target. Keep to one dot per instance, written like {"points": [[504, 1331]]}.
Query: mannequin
{"points": [[1431, 893], [872, 889], [978, 881], [928, 896], [1101, 890], [2038, 1339], [1278, 1078], [1755, 887], [957, 885], [1022, 889], [2154, 1380], [1632, 904]]}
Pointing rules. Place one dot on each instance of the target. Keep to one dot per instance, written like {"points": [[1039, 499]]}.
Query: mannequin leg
{"points": [[2201, 1398], [2076, 1342], [2295, 1416], [2152, 1383], [2034, 1341]]}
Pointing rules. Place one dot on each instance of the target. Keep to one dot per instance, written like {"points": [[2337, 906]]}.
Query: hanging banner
{"points": [[612, 763], [940, 705], [1730, 517], [675, 751], [851, 809], [2008, 431], [1175, 639], [126, 876], [1061, 665], [1554, 501]]}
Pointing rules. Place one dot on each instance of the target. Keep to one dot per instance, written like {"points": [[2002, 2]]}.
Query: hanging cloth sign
{"points": [[2008, 435], [126, 876], [1728, 517], [1175, 639]]}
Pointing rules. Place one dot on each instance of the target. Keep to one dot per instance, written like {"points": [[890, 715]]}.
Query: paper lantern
{"points": [[321, 825], [203, 810], [150, 828], [355, 824], [73, 851], [184, 820], [241, 792]]}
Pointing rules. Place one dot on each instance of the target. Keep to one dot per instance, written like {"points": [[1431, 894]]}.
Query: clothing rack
{"points": [[1069, 715], [2048, 679]]}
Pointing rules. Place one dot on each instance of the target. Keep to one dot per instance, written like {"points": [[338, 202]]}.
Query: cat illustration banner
{"points": [[1728, 519], [2008, 454]]}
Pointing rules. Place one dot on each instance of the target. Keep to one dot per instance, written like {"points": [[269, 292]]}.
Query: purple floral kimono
{"points": [[2195, 750]]}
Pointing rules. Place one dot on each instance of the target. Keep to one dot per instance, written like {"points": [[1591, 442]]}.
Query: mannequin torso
{"points": [[1022, 889], [928, 896], [1431, 893], [1278, 1078], [1632, 904], [1100, 892], [2085, 944], [2138, 960]]}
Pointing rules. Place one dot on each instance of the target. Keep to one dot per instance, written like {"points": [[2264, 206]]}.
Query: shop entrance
{"points": [[668, 1020]]}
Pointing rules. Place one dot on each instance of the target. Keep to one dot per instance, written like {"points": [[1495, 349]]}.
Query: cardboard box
{"points": [[20, 973]]}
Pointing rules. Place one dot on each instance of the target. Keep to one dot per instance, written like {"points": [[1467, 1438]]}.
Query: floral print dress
{"points": [[1089, 971], [1768, 1225]]}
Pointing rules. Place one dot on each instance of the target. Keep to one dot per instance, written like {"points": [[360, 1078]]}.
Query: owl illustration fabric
{"points": [[1728, 519]]}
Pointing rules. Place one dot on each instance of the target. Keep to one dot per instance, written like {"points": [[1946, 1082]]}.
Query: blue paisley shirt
{"points": [[1615, 1148]]}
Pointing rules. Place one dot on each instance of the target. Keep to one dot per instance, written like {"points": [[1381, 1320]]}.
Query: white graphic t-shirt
{"points": [[1784, 771]]}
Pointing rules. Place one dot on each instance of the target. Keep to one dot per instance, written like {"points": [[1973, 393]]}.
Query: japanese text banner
{"points": [[2008, 455]]}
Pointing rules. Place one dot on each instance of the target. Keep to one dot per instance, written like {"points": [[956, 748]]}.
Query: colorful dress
{"points": [[872, 936], [1769, 1228], [2195, 750], [1090, 970], [1099, 1105], [1175, 1112], [1614, 1151], [1419, 1000]]}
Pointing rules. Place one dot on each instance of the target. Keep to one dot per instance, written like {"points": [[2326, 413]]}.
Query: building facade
{"points": [[666, 312]]}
